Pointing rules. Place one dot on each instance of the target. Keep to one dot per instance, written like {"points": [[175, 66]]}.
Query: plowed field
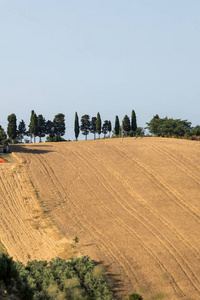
{"points": [[134, 205]]}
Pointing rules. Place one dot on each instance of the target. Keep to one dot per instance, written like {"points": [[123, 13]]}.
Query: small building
{"points": [[4, 149]]}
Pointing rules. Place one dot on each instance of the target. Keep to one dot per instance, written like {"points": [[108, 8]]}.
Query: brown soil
{"points": [[134, 205]]}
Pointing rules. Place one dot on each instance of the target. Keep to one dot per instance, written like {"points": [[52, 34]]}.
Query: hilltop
{"points": [[133, 205]]}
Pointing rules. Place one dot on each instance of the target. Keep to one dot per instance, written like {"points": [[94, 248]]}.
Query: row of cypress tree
{"points": [[95, 125], [38, 126], [55, 129]]}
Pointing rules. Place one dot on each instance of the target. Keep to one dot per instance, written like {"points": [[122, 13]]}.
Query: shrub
{"points": [[135, 296]]}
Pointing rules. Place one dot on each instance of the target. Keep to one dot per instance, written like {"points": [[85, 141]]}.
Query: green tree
{"points": [[93, 126], [133, 121], [109, 127], [105, 128], [59, 125], [155, 126], [76, 126], [117, 126], [85, 125], [12, 127], [41, 126], [98, 124], [21, 132], [33, 126], [50, 130], [196, 130], [3, 137], [126, 124]]}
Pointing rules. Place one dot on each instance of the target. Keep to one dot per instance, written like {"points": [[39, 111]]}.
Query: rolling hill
{"points": [[133, 205]]}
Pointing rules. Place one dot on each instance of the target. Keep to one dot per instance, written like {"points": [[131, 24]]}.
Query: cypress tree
{"points": [[33, 127], [12, 127], [109, 127], [98, 124], [85, 125], [76, 126], [59, 125], [41, 126], [93, 126], [21, 130], [133, 121], [105, 128], [126, 124], [117, 126]]}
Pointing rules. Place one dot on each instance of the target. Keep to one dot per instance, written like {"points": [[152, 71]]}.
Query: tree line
{"points": [[169, 127], [55, 130]]}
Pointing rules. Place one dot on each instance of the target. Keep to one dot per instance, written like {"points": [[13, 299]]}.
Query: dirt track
{"points": [[135, 205]]}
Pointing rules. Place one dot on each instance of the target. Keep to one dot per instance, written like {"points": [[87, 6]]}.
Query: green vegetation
{"points": [[169, 127], [126, 124], [76, 126], [98, 124], [93, 128], [33, 126], [77, 279], [134, 296], [3, 137], [54, 130], [117, 126], [85, 125], [105, 127], [12, 127]]}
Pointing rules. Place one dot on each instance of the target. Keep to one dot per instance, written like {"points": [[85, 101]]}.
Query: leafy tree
{"points": [[155, 125], [169, 127], [133, 121], [41, 126], [11, 283], [109, 127], [126, 124], [117, 126], [57, 279], [93, 126], [33, 126], [76, 126], [50, 129], [105, 128], [59, 125], [85, 125], [196, 130], [3, 137], [12, 127], [98, 124], [21, 132]]}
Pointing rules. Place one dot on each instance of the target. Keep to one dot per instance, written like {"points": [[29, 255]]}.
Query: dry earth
{"points": [[134, 205]]}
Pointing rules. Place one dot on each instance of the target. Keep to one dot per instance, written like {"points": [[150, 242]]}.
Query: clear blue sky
{"points": [[107, 56]]}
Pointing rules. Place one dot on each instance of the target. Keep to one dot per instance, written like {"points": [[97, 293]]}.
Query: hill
{"points": [[133, 205]]}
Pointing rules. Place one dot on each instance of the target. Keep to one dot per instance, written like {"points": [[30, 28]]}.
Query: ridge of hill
{"points": [[134, 205]]}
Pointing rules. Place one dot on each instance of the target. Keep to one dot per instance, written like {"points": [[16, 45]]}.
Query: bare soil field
{"points": [[134, 205]]}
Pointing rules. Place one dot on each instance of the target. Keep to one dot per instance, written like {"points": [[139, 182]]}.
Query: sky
{"points": [[106, 56]]}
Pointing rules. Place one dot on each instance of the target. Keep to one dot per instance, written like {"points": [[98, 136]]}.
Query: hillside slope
{"points": [[134, 205]]}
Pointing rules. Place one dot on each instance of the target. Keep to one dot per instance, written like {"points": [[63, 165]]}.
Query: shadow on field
{"points": [[113, 280], [34, 149]]}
